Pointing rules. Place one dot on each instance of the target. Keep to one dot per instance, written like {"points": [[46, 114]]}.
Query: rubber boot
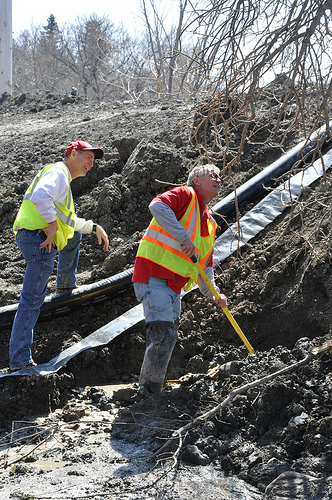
{"points": [[161, 337]]}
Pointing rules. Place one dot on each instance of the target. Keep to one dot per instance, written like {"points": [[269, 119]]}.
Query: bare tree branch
{"points": [[179, 433]]}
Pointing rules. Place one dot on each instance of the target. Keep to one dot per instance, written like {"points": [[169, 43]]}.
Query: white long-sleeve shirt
{"points": [[53, 188]]}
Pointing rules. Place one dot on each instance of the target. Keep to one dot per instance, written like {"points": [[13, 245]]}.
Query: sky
{"points": [[26, 13]]}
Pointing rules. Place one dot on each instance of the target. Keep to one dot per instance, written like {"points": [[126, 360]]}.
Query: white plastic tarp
{"points": [[268, 210]]}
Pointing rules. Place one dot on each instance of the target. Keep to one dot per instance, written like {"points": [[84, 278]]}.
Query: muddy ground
{"points": [[83, 432]]}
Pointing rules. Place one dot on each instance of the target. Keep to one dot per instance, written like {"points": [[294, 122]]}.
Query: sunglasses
{"points": [[214, 175]]}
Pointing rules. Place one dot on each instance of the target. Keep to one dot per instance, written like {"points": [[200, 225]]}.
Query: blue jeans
{"points": [[160, 303], [39, 267], [68, 262]]}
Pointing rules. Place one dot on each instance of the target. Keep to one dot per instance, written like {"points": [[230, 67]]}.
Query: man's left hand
{"points": [[222, 302], [102, 236]]}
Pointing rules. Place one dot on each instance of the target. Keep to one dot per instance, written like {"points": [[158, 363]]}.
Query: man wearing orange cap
{"points": [[46, 224]]}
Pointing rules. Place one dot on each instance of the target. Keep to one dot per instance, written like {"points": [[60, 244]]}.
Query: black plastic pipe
{"points": [[253, 188], [57, 305]]}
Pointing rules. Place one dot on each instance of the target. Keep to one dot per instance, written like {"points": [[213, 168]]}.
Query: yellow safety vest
{"points": [[160, 247], [28, 216]]}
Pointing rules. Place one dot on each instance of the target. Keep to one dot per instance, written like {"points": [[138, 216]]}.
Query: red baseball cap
{"points": [[84, 146]]}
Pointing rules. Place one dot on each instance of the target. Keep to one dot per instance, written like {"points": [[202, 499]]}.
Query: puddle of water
{"points": [[109, 388], [47, 465]]}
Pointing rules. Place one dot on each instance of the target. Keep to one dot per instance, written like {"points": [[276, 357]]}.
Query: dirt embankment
{"points": [[279, 291]]}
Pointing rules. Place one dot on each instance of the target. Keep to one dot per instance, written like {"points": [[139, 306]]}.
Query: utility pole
{"points": [[5, 46]]}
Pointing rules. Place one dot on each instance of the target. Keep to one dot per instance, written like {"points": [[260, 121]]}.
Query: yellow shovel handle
{"points": [[225, 309], [238, 330]]}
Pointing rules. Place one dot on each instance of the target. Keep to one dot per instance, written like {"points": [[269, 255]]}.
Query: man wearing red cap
{"points": [[46, 224]]}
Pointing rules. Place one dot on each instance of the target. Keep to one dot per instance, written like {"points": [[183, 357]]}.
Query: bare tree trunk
{"points": [[5, 46], [152, 46], [175, 50]]}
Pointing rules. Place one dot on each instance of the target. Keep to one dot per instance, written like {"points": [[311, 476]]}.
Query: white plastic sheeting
{"points": [[268, 210], [102, 336]]}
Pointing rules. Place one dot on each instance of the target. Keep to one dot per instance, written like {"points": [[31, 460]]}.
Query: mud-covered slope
{"points": [[279, 290]]}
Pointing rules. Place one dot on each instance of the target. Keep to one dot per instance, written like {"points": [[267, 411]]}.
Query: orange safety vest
{"points": [[160, 247]]}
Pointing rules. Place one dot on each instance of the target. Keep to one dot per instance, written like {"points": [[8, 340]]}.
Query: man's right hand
{"points": [[188, 247], [50, 231]]}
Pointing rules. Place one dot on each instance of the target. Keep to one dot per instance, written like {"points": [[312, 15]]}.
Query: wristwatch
{"points": [[94, 228]]}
